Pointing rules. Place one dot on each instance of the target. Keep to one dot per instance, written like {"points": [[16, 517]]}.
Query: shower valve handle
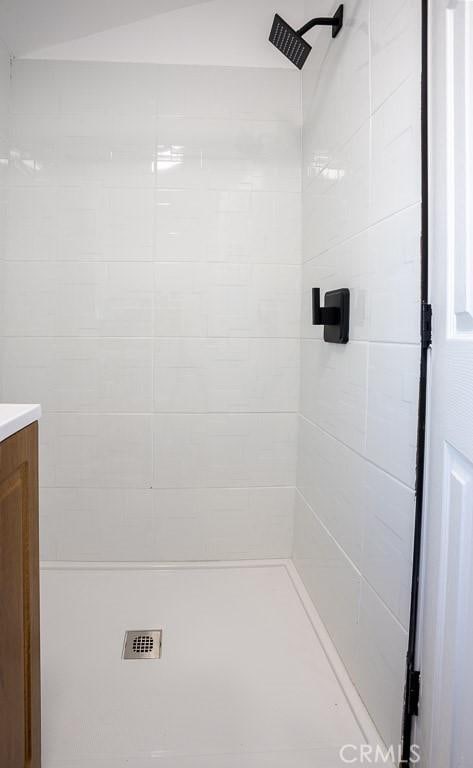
{"points": [[323, 315]]}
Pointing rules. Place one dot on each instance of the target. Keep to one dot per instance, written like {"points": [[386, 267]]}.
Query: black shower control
{"points": [[334, 316]]}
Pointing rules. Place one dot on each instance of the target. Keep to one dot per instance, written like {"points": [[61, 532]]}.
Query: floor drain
{"points": [[142, 644]]}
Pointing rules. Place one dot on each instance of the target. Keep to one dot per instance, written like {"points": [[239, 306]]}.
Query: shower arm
{"points": [[323, 21], [335, 21]]}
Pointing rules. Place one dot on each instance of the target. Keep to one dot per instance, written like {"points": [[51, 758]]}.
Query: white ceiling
{"points": [[27, 25], [219, 32]]}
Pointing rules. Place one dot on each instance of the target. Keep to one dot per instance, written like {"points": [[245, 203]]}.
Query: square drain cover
{"points": [[142, 644]]}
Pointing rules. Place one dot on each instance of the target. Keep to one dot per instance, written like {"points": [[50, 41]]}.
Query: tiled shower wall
{"points": [[4, 154], [151, 304], [357, 439]]}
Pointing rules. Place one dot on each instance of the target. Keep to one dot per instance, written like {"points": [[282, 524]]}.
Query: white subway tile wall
{"points": [[151, 303], [236, 523], [358, 409], [4, 157]]}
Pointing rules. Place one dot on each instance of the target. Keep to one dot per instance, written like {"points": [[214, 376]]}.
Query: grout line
{"points": [[362, 342], [19, 117], [153, 357], [84, 565], [366, 393], [361, 455], [170, 413], [116, 262], [361, 232], [328, 532], [153, 338], [381, 342], [414, 76], [357, 569], [370, 59], [371, 342], [149, 489], [97, 186], [371, 118]]}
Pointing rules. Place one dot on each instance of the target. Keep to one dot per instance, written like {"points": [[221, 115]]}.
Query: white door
{"points": [[444, 728]]}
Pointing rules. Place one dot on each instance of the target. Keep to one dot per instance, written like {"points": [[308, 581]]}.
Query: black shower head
{"points": [[291, 43]]}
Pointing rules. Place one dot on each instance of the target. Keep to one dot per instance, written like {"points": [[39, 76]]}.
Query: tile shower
{"points": [[156, 241], [163, 228]]}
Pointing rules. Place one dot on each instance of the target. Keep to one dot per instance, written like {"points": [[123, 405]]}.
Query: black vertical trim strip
{"points": [[410, 707]]}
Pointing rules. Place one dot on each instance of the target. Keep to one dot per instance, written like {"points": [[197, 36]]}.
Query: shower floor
{"points": [[243, 681]]}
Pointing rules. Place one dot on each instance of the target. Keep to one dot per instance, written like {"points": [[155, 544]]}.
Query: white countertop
{"points": [[14, 417]]}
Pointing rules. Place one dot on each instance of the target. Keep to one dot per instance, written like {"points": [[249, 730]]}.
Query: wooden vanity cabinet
{"points": [[20, 730]]}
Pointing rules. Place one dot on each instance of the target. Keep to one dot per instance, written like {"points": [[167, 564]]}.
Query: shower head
{"points": [[291, 42]]}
